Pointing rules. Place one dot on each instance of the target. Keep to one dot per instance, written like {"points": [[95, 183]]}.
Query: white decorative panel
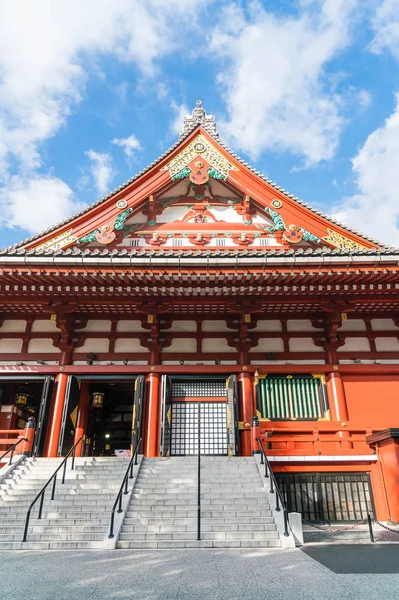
{"points": [[383, 325], [269, 345], [129, 345], [353, 325], [129, 326], [216, 345], [138, 218], [94, 325], [11, 325], [215, 326], [227, 214], [268, 326], [42, 346], [386, 344], [94, 345], [184, 326], [299, 325], [174, 213], [179, 345], [10, 345], [355, 345], [304, 345], [44, 326]]}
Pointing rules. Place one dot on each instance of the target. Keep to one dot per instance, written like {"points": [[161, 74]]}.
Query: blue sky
{"points": [[91, 91]]}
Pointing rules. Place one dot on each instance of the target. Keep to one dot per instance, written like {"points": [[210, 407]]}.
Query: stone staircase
{"points": [[79, 515], [234, 507]]}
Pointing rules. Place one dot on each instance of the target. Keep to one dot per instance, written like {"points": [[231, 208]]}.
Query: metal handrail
{"points": [[53, 479], [273, 485], [12, 450], [199, 476], [124, 485]]}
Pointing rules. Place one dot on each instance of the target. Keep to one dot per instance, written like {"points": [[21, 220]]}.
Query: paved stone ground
{"points": [[315, 572]]}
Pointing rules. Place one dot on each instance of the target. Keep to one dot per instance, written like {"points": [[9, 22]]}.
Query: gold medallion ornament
{"points": [[58, 242], [340, 241], [199, 147], [277, 203]]}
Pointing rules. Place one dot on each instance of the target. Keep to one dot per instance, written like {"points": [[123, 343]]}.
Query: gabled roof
{"points": [[197, 124]]}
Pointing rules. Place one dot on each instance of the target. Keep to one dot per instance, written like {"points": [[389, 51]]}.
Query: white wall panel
{"points": [[353, 325], [355, 345], [216, 345], [11, 325], [215, 326], [129, 326], [94, 345], [304, 345], [383, 325], [97, 325], [44, 325], [10, 345], [386, 344], [269, 345], [299, 325], [129, 345], [268, 326], [179, 345], [183, 326], [42, 346]]}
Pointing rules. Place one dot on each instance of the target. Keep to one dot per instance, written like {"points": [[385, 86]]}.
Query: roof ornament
{"points": [[199, 117]]}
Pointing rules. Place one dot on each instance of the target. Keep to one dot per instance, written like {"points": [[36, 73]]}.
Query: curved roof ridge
{"points": [[208, 123]]}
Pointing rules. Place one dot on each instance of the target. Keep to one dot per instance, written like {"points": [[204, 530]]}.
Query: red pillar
{"points": [[387, 444], [245, 411], [83, 414], [336, 397], [57, 406], [151, 445]]}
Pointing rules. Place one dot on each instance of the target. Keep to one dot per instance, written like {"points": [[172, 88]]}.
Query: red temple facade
{"points": [[201, 296]]}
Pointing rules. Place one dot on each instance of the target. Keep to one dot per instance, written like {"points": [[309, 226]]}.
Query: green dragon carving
{"points": [[121, 219], [89, 237], [279, 224], [212, 172], [309, 237], [182, 174]]}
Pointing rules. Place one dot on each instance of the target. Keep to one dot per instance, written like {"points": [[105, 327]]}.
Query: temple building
{"points": [[194, 298]]}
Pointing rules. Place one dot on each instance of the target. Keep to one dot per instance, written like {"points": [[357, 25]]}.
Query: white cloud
{"points": [[129, 145], [180, 110], [47, 49], [37, 202], [386, 27], [273, 84], [101, 170], [374, 209]]}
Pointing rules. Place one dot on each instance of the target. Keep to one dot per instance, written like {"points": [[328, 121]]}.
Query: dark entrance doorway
{"points": [[327, 497], [36, 391], [115, 427]]}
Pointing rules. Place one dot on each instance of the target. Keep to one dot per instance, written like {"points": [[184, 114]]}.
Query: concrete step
{"points": [[175, 544], [64, 545]]}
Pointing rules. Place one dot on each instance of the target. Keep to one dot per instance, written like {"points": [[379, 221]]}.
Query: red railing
{"points": [[325, 438]]}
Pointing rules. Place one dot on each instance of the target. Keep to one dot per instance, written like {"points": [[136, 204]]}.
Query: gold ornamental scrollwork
{"points": [[199, 147]]}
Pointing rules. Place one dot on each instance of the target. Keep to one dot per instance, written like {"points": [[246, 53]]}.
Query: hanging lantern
{"points": [[21, 399], [98, 399]]}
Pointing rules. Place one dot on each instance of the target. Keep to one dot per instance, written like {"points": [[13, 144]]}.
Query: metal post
{"points": [[277, 502], [111, 529], [54, 483], [63, 473], [39, 516], [199, 476], [11, 455], [370, 524]]}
